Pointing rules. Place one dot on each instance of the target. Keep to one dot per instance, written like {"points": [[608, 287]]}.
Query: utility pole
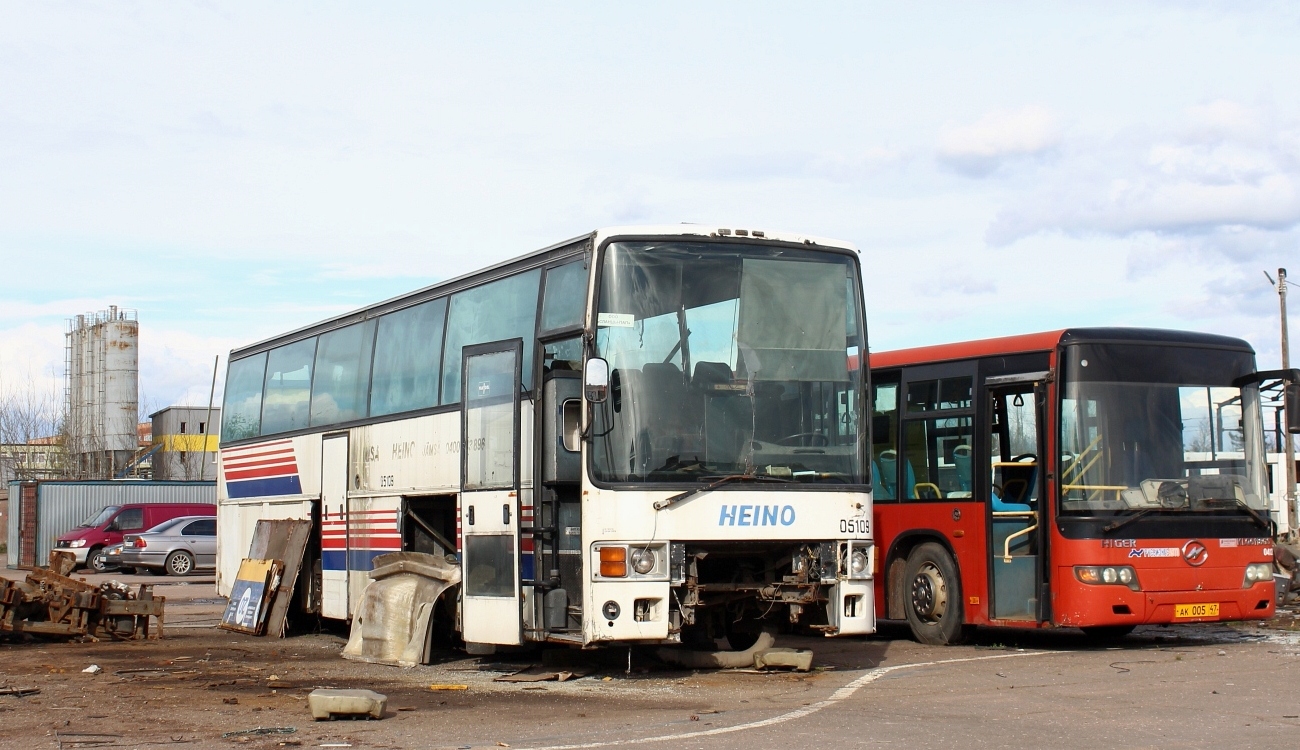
{"points": [[1289, 450]]}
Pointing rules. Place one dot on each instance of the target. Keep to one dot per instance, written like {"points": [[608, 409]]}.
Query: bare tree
{"points": [[30, 411]]}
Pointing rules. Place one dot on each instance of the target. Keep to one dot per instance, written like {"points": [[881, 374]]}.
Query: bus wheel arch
{"points": [[895, 567]]}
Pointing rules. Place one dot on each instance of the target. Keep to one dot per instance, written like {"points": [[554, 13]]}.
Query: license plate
{"points": [[1196, 610]]}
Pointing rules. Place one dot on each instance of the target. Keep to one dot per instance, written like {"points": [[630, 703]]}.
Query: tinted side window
{"points": [[131, 519], [341, 377], [241, 410], [884, 438], [408, 352], [287, 393], [566, 296], [504, 309], [205, 527]]}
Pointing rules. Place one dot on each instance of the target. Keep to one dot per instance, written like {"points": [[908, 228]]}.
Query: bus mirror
{"points": [[596, 380], [1293, 407]]}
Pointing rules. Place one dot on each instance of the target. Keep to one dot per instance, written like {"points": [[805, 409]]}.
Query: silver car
{"points": [[177, 547]]}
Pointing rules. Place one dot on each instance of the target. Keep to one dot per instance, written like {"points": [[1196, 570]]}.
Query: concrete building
{"points": [[185, 448]]}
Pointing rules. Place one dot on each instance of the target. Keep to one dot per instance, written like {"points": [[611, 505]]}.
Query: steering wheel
{"points": [[807, 439]]}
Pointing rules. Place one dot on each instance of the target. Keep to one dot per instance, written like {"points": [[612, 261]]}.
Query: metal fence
{"points": [[60, 506]]}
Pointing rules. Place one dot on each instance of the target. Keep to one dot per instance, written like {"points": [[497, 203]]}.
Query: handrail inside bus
{"points": [[1031, 514]]}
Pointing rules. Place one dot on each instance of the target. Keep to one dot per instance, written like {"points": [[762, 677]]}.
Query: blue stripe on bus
{"points": [[263, 487], [360, 559], [332, 559]]}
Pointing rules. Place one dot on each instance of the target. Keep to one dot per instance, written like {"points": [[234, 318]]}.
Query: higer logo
{"points": [[1195, 553], [756, 515]]}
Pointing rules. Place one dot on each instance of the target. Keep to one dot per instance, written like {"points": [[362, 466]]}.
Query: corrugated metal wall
{"points": [[60, 506]]}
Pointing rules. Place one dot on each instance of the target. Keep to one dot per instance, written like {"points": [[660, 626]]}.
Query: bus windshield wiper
{"points": [[670, 501], [1126, 520], [1267, 523]]}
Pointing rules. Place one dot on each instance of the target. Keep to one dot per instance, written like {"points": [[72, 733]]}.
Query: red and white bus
{"points": [[1100, 478]]}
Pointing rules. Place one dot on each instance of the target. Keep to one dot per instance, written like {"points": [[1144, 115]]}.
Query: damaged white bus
{"points": [[642, 435]]}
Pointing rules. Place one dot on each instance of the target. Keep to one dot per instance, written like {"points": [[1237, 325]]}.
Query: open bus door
{"points": [[490, 429], [1017, 537]]}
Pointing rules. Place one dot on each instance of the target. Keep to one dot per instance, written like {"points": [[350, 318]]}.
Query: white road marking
{"points": [[839, 695]]}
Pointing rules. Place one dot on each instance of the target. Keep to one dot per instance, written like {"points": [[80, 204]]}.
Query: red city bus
{"points": [[1099, 478]]}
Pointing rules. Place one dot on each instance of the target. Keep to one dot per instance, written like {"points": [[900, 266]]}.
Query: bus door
{"points": [[1014, 436], [334, 540], [490, 604]]}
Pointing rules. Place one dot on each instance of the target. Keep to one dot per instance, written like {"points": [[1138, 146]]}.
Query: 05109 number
{"points": [[855, 526]]}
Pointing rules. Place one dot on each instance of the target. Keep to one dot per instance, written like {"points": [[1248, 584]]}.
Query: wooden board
{"points": [[284, 540], [250, 596]]}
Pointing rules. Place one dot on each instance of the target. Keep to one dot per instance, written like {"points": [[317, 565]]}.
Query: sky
{"points": [[236, 170]]}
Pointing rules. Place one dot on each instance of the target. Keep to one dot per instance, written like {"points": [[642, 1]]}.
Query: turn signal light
{"points": [[613, 562]]}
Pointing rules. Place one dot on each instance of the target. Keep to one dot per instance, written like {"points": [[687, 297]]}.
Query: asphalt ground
{"points": [[1185, 686]]}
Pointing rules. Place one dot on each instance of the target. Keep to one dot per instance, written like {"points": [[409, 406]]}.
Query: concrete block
{"points": [[327, 704]]}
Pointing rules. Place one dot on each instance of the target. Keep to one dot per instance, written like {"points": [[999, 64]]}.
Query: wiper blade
{"points": [[1126, 520], [1267, 523], [730, 478]]}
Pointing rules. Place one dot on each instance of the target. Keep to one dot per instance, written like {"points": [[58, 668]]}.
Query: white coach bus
{"points": [[645, 434]]}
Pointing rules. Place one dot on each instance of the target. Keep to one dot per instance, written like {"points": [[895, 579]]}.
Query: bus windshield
{"points": [[728, 360], [1159, 428]]}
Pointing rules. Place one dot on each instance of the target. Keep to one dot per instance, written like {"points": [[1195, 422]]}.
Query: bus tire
{"points": [[1107, 632], [932, 596]]}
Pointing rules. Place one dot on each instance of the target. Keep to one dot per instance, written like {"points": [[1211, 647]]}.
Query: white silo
{"points": [[103, 365]]}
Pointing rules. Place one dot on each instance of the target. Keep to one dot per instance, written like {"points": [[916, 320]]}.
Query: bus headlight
{"points": [[857, 563], [643, 560], [1256, 572], [1102, 575], [640, 562]]}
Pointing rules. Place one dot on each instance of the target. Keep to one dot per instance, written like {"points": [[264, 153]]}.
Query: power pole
{"points": [[1289, 450]]}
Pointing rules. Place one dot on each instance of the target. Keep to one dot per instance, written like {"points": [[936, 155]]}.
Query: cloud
{"points": [[978, 149], [1227, 167]]}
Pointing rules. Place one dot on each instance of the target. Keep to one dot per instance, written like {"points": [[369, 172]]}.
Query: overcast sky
{"points": [[233, 171]]}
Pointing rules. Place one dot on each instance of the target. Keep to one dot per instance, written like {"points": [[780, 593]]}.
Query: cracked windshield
{"points": [[1139, 446], [727, 360]]}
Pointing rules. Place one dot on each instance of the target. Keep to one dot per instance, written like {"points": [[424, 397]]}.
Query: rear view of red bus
{"points": [[1095, 478]]}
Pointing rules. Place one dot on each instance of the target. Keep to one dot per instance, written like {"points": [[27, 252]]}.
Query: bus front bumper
{"points": [[1082, 605]]}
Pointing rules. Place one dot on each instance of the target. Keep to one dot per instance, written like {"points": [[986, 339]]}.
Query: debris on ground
{"points": [[761, 655], [437, 687], [93, 669], [398, 606], [543, 674], [329, 703], [257, 731], [19, 692], [51, 604]]}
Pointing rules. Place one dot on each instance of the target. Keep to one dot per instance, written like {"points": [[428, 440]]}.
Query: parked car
{"points": [[113, 557], [176, 547], [89, 541]]}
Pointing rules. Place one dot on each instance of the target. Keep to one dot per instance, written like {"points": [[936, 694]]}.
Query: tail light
{"points": [[139, 543]]}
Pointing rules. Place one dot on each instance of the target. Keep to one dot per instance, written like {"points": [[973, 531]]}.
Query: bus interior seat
{"points": [[1017, 488], [889, 473], [711, 373], [961, 462], [665, 397]]}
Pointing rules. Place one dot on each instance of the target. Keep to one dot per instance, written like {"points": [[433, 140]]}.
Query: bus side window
{"points": [[937, 446], [884, 439]]}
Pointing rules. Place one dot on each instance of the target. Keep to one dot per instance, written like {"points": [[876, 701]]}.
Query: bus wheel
{"points": [[1108, 632], [933, 596]]}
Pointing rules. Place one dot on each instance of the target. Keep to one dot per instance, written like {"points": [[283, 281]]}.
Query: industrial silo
{"points": [[103, 365]]}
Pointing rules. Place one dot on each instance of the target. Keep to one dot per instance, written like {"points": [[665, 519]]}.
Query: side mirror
{"points": [[1292, 401], [596, 380]]}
